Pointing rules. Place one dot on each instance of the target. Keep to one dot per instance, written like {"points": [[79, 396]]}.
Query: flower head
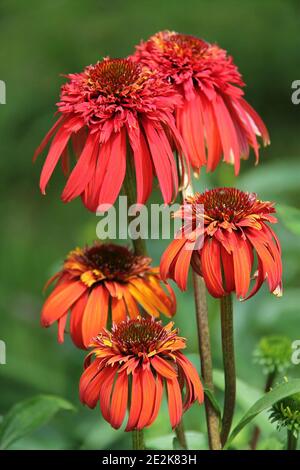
{"points": [[215, 119], [286, 413], [274, 354], [110, 107], [238, 244], [99, 279], [132, 363]]}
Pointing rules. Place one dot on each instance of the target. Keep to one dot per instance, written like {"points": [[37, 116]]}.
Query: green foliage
{"points": [[28, 416], [274, 354], [286, 413], [264, 403]]}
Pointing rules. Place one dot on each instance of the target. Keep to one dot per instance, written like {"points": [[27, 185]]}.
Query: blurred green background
{"points": [[39, 41]]}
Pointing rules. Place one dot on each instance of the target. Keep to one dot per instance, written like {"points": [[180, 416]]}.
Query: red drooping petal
{"points": [[77, 311], [136, 401], [57, 147], [148, 400], [211, 267], [174, 402], [158, 398], [48, 137], [84, 169], [119, 400], [60, 300], [227, 133], [169, 257], [118, 309], [163, 167], [61, 327], [227, 264], [242, 263], [142, 162], [105, 391], [95, 314], [88, 375], [115, 170], [163, 367]]}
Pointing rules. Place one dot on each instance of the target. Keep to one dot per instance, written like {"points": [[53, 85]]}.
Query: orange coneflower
{"points": [[132, 363], [237, 243], [110, 107], [215, 119], [99, 279]]}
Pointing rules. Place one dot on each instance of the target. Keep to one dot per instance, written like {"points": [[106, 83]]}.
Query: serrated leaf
{"points": [[28, 415], [264, 403]]}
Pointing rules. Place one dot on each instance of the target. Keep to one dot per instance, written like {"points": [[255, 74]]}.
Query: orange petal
{"points": [[119, 400], [95, 314]]}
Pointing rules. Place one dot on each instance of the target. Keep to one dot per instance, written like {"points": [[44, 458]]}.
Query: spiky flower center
{"points": [[107, 261], [225, 204], [116, 77], [139, 336]]}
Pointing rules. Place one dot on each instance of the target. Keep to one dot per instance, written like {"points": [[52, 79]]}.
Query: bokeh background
{"points": [[40, 41]]}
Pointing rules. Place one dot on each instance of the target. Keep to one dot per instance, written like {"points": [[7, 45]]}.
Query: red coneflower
{"points": [[132, 363], [99, 279], [108, 104], [215, 119], [236, 238]]}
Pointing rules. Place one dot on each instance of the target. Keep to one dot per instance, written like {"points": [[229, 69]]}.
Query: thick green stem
{"points": [[291, 441], [180, 434], [138, 440], [212, 418], [229, 366]]}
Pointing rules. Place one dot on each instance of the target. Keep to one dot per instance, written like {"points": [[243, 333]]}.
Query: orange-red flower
{"points": [[110, 107], [238, 244], [100, 279], [215, 119], [132, 363]]}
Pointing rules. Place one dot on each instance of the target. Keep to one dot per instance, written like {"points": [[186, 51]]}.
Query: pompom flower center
{"points": [[114, 261], [186, 44], [140, 336], [226, 204], [116, 77]]}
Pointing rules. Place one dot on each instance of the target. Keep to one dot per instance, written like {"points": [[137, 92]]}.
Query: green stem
{"points": [[180, 434], [229, 365], [212, 418], [291, 441], [138, 440]]}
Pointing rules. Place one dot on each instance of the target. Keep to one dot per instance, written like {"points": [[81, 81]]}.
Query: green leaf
{"points": [[278, 393], [28, 415], [290, 217], [213, 400]]}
